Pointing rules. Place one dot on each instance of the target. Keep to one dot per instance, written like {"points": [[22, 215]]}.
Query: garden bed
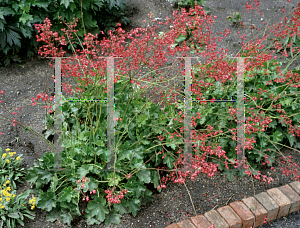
{"points": [[173, 204]]}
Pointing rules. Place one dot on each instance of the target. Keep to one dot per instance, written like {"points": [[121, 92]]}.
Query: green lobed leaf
{"points": [[96, 208], [133, 206], [147, 198], [13, 38], [66, 3], [82, 172], [120, 207], [144, 176], [25, 18], [67, 194], [169, 160], [113, 218], [135, 187], [47, 201], [31, 175], [155, 178], [54, 182], [66, 217], [92, 184], [92, 221], [113, 179], [230, 174], [277, 136], [41, 4], [292, 139], [6, 11], [286, 102]]}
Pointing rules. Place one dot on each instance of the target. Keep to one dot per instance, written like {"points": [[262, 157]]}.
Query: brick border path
{"points": [[249, 212]]}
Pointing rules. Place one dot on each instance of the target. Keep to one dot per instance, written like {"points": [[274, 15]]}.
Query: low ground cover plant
{"points": [[149, 140], [13, 206], [235, 18], [191, 4]]}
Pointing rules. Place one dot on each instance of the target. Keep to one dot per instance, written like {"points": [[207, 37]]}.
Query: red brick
{"points": [[244, 213], [292, 196], [257, 209], [186, 224], [269, 204], [283, 202], [200, 221], [232, 219], [296, 186], [172, 226], [215, 218]]}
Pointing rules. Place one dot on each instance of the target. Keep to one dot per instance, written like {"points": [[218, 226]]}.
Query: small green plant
{"points": [[235, 19], [192, 4], [13, 207], [10, 166]]}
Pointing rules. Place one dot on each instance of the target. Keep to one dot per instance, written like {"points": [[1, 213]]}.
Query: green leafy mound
{"points": [[17, 19], [137, 139]]}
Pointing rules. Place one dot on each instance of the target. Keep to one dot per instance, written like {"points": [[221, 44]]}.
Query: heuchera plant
{"points": [[141, 120]]}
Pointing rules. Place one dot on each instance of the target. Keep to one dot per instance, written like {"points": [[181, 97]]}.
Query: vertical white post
{"points": [[110, 114], [240, 104], [58, 115], [187, 116]]}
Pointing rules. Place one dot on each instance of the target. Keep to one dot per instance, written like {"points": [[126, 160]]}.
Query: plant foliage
{"points": [[17, 19]]}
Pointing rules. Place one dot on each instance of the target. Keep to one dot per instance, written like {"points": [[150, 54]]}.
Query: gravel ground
{"points": [[174, 203]]}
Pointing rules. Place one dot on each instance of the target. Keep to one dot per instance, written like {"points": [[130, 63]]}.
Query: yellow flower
{"points": [[7, 182], [22, 205], [2, 206], [11, 154], [18, 158], [7, 149], [7, 199], [13, 195], [33, 202], [8, 188], [7, 161], [4, 155]]}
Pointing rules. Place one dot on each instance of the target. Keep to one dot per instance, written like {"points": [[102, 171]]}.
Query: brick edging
{"points": [[249, 212]]}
